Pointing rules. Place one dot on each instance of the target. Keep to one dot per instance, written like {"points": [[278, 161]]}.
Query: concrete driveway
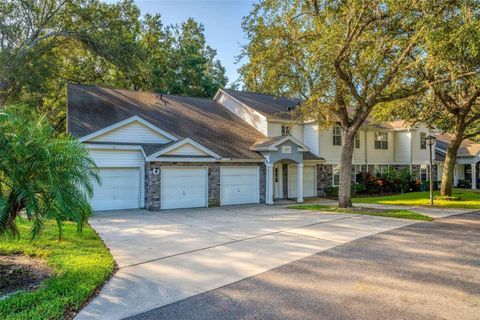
{"points": [[423, 271], [165, 257]]}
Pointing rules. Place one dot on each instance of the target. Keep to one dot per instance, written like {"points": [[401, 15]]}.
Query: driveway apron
{"points": [[164, 257]]}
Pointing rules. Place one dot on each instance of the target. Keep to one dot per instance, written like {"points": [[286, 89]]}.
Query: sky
{"points": [[222, 20]]}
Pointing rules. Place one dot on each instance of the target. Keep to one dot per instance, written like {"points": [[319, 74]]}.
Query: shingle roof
{"points": [[268, 105], [467, 148], [91, 108]]}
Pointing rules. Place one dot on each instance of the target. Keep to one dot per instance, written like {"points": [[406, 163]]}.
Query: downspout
{"points": [[366, 153], [411, 150]]}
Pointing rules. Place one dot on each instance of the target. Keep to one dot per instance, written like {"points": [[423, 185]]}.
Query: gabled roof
{"points": [[92, 108], [174, 145], [268, 105], [124, 123], [272, 142], [467, 148]]}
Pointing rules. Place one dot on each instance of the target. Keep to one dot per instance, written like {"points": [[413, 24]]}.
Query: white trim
{"points": [[273, 146], [96, 146], [181, 143], [217, 95], [123, 123]]}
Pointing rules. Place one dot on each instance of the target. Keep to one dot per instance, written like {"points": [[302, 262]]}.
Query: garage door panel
{"points": [[119, 189], [183, 188], [239, 185]]}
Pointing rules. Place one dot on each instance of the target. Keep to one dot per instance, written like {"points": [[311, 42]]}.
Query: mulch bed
{"points": [[21, 273]]}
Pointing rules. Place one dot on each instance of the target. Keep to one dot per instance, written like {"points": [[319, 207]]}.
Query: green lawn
{"points": [[81, 263], [401, 214], [469, 199]]}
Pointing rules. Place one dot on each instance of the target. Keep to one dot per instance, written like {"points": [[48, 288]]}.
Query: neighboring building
{"points": [[467, 167], [163, 152]]}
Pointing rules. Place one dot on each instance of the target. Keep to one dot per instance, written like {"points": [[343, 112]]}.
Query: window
{"points": [[337, 136], [423, 174], [359, 170], [423, 140], [286, 130], [336, 176], [381, 140], [357, 141]]}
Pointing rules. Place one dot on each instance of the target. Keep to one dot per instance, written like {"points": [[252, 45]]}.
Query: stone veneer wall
{"points": [[324, 178], [152, 182]]}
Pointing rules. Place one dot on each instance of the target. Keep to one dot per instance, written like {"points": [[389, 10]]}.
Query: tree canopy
{"points": [[344, 58], [45, 44]]}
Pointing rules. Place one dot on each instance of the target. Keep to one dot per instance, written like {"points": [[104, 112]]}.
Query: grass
{"points": [[469, 199], [81, 263], [390, 213]]}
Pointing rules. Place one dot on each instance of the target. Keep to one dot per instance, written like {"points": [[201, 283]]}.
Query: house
{"points": [[467, 166], [162, 151]]}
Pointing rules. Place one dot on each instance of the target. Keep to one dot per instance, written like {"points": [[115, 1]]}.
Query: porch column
{"points": [[300, 182], [269, 184], [474, 175]]}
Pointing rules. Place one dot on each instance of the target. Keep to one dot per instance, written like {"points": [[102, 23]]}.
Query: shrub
{"points": [[43, 175], [331, 191], [464, 183]]}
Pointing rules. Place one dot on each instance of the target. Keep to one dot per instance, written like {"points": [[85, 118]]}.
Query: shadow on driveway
{"points": [[423, 271]]}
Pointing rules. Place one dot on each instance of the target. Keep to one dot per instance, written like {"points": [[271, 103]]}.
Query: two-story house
{"points": [[163, 152]]}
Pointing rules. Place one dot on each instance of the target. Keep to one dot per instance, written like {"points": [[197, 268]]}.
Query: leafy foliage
{"points": [[344, 58], [44, 176], [45, 44]]}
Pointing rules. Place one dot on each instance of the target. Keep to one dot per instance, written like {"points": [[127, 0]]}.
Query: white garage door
{"points": [[119, 189], [309, 177], [183, 187], [239, 185]]}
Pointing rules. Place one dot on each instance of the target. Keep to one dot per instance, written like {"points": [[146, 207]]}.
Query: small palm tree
{"points": [[42, 176]]}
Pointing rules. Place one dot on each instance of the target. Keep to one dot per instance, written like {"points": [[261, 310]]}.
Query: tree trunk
{"points": [[449, 165], [345, 188]]}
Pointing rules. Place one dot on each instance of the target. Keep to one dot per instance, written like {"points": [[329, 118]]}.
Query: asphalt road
{"points": [[429, 270]]}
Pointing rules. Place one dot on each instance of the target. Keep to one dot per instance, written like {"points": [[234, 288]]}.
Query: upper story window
{"points": [[286, 130], [337, 136], [381, 140], [423, 140], [357, 141]]}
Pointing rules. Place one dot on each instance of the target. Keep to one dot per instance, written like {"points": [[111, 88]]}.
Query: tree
{"points": [[44, 44], [454, 53], [198, 73], [451, 72], [42, 175], [343, 58]]}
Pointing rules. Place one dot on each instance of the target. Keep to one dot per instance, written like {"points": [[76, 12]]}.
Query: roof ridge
{"points": [[260, 93], [137, 91]]}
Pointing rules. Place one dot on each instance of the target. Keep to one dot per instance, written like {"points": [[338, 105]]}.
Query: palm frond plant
{"points": [[43, 176]]}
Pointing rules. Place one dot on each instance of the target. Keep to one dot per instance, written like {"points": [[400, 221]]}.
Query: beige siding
{"points": [[311, 137], [134, 132], [402, 147], [275, 130], [328, 151], [419, 155], [186, 150], [379, 156], [359, 154], [250, 116]]}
